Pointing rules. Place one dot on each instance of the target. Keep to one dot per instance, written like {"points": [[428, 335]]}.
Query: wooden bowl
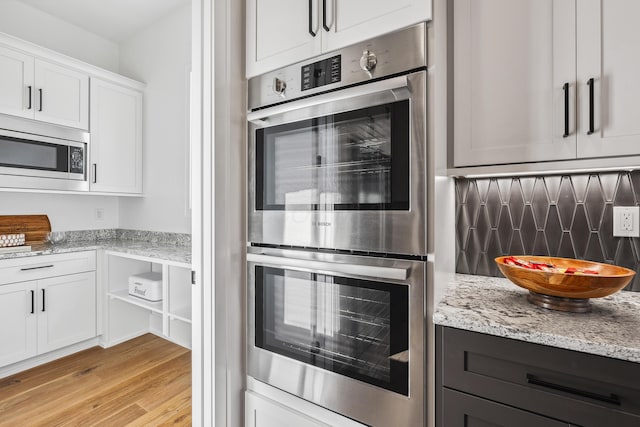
{"points": [[610, 278]]}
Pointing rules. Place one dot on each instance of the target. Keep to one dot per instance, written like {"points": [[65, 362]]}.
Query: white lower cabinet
{"points": [[66, 310], [18, 326], [263, 412], [128, 316], [266, 406], [39, 316]]}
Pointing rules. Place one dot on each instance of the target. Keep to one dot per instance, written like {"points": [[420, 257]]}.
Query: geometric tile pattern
{"points": [[568, 216]]}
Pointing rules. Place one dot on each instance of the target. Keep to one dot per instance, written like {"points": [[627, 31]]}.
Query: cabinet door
{"points": [[352, 21], [17, 322], [262, 412], [116, 138], [16, 84], [61, 95], [66, 308], [279, 33], [511, 62], [608, 40], [461, 409]]}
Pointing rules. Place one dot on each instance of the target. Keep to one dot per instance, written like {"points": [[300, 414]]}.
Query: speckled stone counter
{"points": [[495, 306], [154, 249]]}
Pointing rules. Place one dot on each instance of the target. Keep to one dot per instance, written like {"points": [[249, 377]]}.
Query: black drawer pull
{"points": [[311, 32], [36, 268], [592, 125], [33, 294], [29, 107], [43, 304], [565, 89], [611, 398], [324, 16]]}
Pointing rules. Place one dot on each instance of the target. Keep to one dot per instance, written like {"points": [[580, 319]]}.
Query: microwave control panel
{"points": [[322, 73], [76, 160]]}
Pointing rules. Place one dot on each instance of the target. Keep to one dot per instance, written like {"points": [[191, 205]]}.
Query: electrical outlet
{"points": [[99, 214], [626, 221]]}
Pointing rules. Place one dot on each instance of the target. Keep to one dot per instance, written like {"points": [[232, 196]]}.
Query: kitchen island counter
{"points": [[495, 306]]}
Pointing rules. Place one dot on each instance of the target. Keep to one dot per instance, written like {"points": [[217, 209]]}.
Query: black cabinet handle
{"points": [[29, 107], [324, 16], [95, 172], [591, 84], [43, 305], [40, 95], [611, 398], [311, 19], [36, 268], [565, 88], [33, 297]]}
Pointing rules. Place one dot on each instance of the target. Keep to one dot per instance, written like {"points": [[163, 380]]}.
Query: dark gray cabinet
{"points": [[487, 380], [462, 409]]}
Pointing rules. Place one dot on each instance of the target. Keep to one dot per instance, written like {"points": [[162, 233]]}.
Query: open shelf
{"points": [[182, 313], [128, 316], [123, 295]]}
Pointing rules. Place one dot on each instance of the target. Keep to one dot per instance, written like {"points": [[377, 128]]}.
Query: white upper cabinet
{"points": [[514, 81], [61, 95], [16, 83], [274, 39], [116, 138], [37, 89], [608, 72], [511, 63], [351, 21], [282, 32]]}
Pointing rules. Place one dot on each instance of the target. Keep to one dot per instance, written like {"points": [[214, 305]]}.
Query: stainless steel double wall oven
{"points": [[337, 229]]}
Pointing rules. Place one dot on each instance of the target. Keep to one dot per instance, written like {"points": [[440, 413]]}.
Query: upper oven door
{"points": [[343, 170]]}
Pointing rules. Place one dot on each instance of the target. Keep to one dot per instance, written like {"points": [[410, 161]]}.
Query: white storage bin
{"points": [[146, 286]]}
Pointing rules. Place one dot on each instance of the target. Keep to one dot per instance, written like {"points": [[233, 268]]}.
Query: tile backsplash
{"points": [[567, 216]]}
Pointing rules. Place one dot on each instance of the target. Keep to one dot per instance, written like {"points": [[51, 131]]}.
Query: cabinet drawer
{"points": [[461, 409], [39, 267], [586, 389]]}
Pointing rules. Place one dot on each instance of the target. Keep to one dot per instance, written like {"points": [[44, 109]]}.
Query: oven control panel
{"points": [[76, 160], [321, 73], [378, 58]]}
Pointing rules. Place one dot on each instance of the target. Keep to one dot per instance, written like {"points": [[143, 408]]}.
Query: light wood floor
{"points": [[142, 382]]}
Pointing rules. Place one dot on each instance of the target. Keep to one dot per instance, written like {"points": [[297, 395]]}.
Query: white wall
{"points": [[25, 22], [66, 211], [160, 56]]}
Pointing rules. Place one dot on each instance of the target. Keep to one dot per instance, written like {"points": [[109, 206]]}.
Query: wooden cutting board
{"points": [[35, 227]]}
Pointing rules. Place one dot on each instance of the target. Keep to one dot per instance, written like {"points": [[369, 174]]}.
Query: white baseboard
{"points": [[41, 359], [120, 340]]}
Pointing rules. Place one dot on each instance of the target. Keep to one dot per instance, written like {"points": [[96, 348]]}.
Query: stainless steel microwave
{"points": [[38, 156]]}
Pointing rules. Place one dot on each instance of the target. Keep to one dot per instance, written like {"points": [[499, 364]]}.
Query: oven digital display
{"points": [[322, 73]]}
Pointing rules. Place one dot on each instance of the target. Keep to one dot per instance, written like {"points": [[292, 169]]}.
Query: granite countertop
{"points": [[495, 306], [158, 250]]}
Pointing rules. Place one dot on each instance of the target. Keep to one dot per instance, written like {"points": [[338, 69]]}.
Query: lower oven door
{"points": [[345, 332]]}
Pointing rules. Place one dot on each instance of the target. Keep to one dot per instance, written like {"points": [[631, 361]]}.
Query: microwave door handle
{"points": [[390, 273], [397, 86]]}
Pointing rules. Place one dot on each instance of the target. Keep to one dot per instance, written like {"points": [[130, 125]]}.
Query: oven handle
{"points": [[391, 273], [260, 117]]}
